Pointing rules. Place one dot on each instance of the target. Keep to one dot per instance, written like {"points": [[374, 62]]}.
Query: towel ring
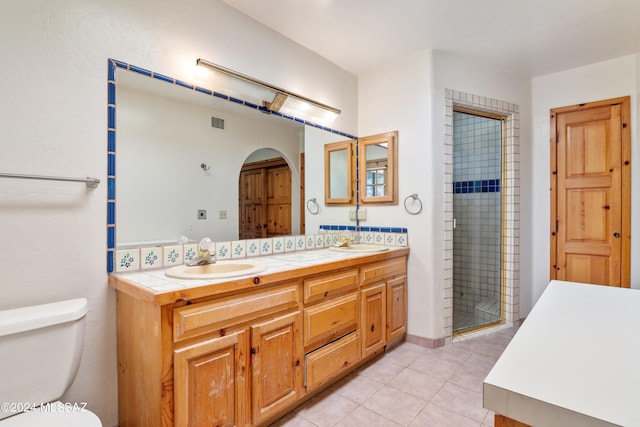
{"points": [[313, 207], [415, 198]]}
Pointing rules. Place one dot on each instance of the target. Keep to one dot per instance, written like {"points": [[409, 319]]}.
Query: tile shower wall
{"points": [[477, 205]]}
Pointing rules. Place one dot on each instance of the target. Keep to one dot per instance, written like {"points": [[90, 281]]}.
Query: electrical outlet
{"points": [[222, 215], [362, 214], [352, 214], [202, 214]]}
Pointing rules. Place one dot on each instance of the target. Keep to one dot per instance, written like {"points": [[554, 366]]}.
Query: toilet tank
{"points": [[40, 351]]}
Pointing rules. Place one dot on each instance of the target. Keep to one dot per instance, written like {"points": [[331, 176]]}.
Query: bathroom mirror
{"points": [[179, 157], [339, 177], [377, 167]]}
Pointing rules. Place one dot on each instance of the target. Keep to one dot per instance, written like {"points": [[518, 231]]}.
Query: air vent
{"points": [[217, 122]]}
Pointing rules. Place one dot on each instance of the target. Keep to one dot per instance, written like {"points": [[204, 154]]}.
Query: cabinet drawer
{"points": [[329, 285], [331, 360], [195, 319], [328, 320], [393, 267]]}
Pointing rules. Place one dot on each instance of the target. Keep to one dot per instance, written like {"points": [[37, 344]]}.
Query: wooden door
{"points": [[374, 301], [276, 353], [590, 193], [264, 203], [278, 201], [209, 383], [252, 215]]}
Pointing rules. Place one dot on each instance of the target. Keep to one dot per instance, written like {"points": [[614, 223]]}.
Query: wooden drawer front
{"points": [[393, 267], [326, 321], [331, 360], [195, 319], [329, 285]]}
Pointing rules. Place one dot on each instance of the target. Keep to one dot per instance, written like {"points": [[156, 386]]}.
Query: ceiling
{"points": [[523, 37]]}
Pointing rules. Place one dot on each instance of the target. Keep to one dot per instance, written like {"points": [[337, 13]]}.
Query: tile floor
{"points": [[410, 386]]}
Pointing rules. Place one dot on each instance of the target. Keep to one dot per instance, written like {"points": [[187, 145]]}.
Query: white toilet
{"points": [[40, 351]]}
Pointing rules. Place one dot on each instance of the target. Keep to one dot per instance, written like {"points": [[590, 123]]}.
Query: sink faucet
{"points": [[205, 250], [344, 239]]}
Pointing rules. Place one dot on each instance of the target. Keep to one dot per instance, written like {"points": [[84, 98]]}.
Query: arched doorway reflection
{"points": [[264, 202]]}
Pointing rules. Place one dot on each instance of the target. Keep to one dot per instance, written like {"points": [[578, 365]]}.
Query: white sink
{"points": [[359, 247], [217, 270]]}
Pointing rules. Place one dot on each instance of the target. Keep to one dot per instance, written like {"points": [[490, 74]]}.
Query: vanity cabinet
{"points": [[242, 353], [209, 382], [384, 303], [374, 305]]}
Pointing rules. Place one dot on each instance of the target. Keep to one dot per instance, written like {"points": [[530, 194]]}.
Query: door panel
{"points": [[276, 347], [201, 395], [589, 184], [265, 199]]}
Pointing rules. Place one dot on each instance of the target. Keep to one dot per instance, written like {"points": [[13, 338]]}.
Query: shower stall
{"points": [[478, 140]]}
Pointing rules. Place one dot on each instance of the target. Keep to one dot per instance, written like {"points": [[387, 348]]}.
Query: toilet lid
{"points": [[38, 418]]}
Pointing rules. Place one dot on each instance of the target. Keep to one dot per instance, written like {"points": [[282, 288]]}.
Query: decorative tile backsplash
{"points": [[132, 259]]}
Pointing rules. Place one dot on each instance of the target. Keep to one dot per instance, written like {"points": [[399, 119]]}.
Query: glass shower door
{"points": [[477, 211]]}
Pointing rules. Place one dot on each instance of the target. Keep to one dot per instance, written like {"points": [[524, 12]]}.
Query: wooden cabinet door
{"points": [[277, 371], [396, 308], [372, 325], [210, 388]]}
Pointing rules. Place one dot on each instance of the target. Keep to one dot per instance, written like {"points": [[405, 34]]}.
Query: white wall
{"points": [[397, 97], [53, 113], [604, 80], [409, 96]]}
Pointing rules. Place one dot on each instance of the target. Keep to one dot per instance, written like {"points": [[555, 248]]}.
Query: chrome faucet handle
{"points": [[206, 250]]}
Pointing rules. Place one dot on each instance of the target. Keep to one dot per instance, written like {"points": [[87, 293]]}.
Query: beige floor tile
{"points": [[435, 416], [404, 354], [357, 388], [472, 372], [363, 417], [435, 365], [410, 386], [489, 419], [292, 420], [326, 409], [381, 370], [395, 404], [461, 400], [416, 383]]}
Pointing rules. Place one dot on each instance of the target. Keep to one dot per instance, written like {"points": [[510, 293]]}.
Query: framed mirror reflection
{"points": [[339, 175], [378, 168]]}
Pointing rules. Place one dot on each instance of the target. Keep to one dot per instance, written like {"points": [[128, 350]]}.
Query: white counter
{"points": [[574, 362]]}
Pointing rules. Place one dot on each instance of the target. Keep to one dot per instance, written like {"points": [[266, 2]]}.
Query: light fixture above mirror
{"points": [[274, 98]]}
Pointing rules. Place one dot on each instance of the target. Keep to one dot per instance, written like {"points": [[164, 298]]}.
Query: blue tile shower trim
{"points": [[112, 66], [477, 186]]}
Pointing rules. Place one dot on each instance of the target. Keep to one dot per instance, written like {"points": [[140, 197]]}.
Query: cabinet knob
{"points": [[373, 326], [616, 235], [256, 280]]}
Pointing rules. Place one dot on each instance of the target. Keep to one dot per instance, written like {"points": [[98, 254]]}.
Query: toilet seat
{"points": [[36, 418]]}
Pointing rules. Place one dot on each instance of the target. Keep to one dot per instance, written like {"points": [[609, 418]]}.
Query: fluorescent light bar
{"points": [[281, 96]]}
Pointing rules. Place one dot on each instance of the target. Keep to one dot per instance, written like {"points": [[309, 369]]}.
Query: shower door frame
{"points": [[510, 187], [503, 145]]}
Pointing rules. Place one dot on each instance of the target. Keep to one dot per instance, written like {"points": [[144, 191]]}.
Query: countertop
{"points": [[575, 361], [155, 287]]}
